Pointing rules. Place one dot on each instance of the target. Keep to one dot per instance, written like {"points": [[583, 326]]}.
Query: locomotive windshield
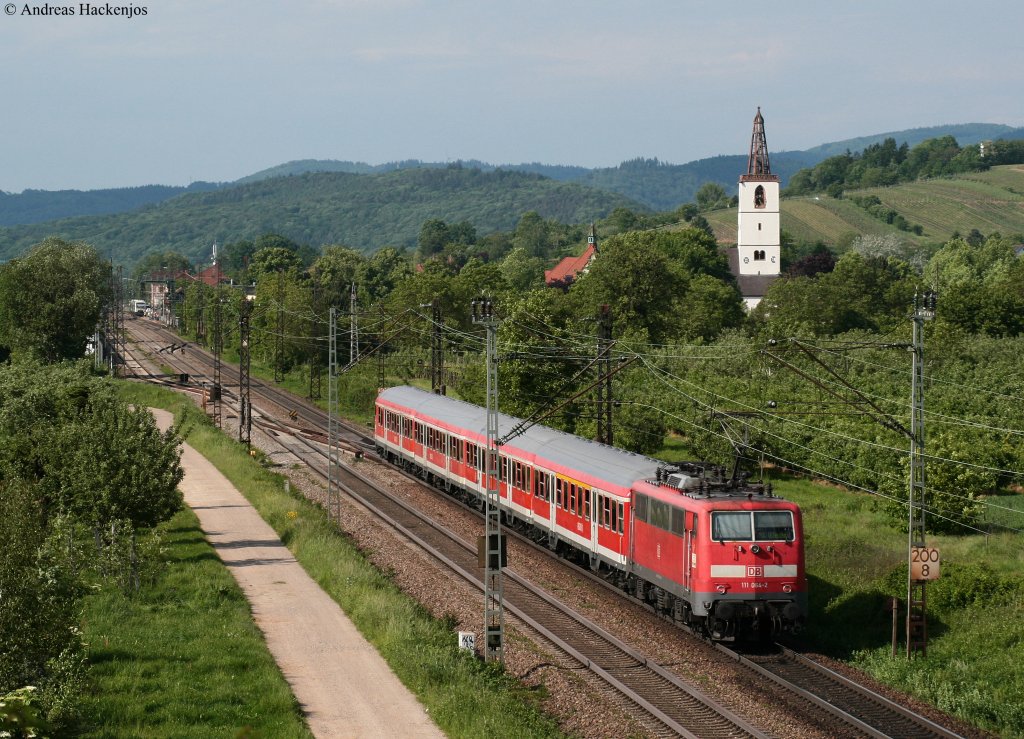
{"points": [[752, 526]]}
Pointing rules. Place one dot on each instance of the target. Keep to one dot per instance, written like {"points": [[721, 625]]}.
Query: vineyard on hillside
{"points": [[990, 202]]}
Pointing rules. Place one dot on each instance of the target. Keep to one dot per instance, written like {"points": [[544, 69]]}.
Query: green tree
{"points": [[161, 261], [382, 271], [711, 196], [51, 298], [39, 643], [521, 271], [272, 259], [434, 236], [335, 271]]}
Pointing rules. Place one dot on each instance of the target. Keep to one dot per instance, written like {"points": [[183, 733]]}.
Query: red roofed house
{"points": [[564, 273]]}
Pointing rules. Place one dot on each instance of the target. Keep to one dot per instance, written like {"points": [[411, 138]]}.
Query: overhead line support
{"points": [[494, 607]]}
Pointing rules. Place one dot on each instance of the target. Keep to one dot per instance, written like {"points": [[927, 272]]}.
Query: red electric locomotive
{"points": [[717, 554]]}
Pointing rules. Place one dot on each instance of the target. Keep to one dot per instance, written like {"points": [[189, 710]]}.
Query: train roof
{"points": [[590, 458]]}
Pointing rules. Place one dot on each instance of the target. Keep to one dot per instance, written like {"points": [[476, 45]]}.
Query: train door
{"points": [[690, 550]]}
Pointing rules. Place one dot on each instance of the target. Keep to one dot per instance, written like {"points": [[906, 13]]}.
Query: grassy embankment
{"points": [[463, 695], [856, 560], [182, 657]]}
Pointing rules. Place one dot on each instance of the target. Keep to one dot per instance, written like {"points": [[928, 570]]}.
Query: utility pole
{"points": [[218, 341], [201, 313], [917, 628], [604, 373], [437, 384], [118, 356], [244, 402], [315, 355], [279, 339], [493, 546], [353, 336], [333, 492]]}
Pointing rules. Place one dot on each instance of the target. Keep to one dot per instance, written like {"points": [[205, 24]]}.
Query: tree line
{"points": [[84, 481], [695, 354], [888, 164]]}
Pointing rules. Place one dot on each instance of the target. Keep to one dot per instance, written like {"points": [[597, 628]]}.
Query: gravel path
{"points": [[343, 685]]}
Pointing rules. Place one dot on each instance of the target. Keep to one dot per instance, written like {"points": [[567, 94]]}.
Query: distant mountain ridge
{"points": [[361, 211], [660, 185], [37, 206], [656, 184]]}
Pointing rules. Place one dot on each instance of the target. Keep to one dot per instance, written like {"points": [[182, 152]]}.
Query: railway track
{"points": [[865, 710], [674, 707], [669, 702]]}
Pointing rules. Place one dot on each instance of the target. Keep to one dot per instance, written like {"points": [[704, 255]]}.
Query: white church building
{"points": [[757, 257]]}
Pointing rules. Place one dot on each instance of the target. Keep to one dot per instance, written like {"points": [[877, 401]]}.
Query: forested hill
{"points": [[360, 211], [662, 186], [655, 184], [37, 206]]}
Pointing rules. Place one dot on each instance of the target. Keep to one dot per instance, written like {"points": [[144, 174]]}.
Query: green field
{"points": [[182, 657], [988, 201]]}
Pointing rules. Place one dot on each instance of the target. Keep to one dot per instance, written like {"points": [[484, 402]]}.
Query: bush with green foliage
{"points": [[50, 299]]}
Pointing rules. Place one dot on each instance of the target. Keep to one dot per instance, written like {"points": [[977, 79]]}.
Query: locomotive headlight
{"points": [[722, 588], [755, 548], [787, 588]]}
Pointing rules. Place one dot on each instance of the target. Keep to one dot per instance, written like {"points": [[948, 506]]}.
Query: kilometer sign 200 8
{"points": [[924, 563]]}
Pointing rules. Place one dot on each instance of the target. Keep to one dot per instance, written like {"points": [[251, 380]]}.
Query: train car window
{"points": [[540, 485], [619, 511], [572, 497], [559, 492], [586, 504], [731, 526], [773, 525], [640, 508], [660, 515], [379, 414], [419, 433], [678, 526]]}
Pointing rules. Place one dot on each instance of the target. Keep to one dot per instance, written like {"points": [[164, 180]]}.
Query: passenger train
{"points": [[723, 556]]}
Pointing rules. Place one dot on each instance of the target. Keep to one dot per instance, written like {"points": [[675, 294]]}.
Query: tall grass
{"points": [[464, 696], [182, 657], [856, 561]]}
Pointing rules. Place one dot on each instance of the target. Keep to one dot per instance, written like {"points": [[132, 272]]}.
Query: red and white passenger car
{"points": [[720, 555]]}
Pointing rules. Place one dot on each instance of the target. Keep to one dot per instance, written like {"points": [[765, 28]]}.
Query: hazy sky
{"points": [[218, 89]]}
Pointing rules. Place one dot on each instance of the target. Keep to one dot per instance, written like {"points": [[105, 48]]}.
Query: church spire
{"points": [[757, 162]]}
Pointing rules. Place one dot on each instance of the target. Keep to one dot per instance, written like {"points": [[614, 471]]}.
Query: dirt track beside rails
{"points": [[343, 685]]}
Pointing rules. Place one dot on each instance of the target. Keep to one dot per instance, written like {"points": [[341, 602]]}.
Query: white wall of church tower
{"points": [[758, 240]]}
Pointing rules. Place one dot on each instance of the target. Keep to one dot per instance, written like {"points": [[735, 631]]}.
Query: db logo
{"points": [[755, 571]]}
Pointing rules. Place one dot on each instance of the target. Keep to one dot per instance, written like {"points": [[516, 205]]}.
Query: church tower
{"points": [[758, 242]]}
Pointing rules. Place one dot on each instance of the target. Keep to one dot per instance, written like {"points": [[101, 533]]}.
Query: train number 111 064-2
{"points": [[924, 563]]}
